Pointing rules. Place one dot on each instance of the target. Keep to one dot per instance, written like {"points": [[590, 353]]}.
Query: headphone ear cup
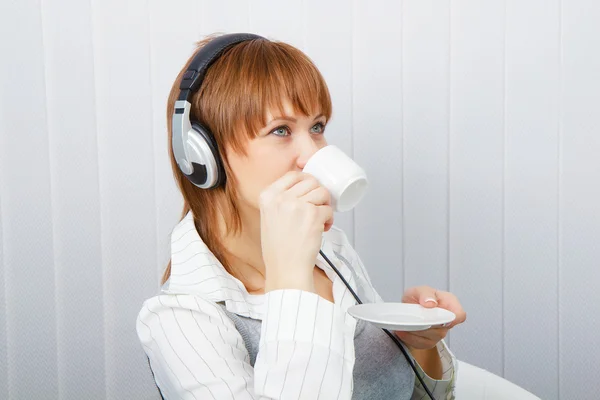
{"points": [[201, 174]]}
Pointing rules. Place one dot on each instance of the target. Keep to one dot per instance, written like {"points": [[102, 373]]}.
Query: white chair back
{"points": [[474, 383]]}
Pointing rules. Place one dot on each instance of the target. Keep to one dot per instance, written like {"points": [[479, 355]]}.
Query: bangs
{"points": [[257, 76]]}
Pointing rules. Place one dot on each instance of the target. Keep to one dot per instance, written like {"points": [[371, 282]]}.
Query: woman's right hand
{"points": [[295, 210]]}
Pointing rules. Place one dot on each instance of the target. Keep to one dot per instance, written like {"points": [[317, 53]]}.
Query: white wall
{"points": [[477, 122]]}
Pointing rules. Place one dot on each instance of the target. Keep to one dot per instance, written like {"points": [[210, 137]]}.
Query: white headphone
{"points": [[194, 146]]}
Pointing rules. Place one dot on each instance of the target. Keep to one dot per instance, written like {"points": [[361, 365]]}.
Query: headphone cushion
{"points": [[214, 148]]}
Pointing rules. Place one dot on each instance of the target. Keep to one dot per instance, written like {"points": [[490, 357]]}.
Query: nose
{"points": [[306, 148]]}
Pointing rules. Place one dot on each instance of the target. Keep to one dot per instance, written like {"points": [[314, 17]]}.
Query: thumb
{"points": [[425, 295]]}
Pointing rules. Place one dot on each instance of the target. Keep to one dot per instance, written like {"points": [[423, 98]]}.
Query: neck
{"points": [[245, 250]]}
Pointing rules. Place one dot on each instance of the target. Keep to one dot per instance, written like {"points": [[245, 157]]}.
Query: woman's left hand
{"points": [[429, 298]]}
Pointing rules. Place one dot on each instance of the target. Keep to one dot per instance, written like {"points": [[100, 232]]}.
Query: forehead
{"points": [[285, 108]]}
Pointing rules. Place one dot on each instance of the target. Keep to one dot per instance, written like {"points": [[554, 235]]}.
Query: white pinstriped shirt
{"points": [[196, 352]]}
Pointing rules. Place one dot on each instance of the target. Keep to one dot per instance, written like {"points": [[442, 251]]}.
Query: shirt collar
{"points": [[195, 270]]}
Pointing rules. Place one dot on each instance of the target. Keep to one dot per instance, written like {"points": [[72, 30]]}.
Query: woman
{"points": [[248, 309]]}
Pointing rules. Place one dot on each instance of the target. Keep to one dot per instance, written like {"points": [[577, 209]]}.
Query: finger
{"points": [[287, 181], [275, 189], [435, 334], [279, 186], [328, 224], [417, 342], [419, 339], [325, 215], [306, 185], [423, 295], [450, 302], [319, 196]]}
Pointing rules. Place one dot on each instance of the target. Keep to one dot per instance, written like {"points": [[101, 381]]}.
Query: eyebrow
{"points": [[291, 119]]}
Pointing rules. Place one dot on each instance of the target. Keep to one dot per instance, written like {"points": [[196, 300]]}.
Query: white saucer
{"points": [[402, 316]]}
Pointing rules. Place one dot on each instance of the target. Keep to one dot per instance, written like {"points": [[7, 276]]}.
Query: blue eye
{"points": [[320, 128], [284, 130], [280, 131]]}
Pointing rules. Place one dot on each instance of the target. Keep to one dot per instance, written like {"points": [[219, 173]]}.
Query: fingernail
{"points": [[431, 300]]}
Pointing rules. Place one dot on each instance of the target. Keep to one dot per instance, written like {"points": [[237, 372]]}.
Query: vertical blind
{"points": [[477, 123]]}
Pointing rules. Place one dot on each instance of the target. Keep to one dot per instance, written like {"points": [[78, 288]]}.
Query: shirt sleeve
{"points": [[196, 352], [302, 345], [443, 388]]}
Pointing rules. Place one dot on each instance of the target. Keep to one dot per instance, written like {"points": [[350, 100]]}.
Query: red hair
{"points": [[247, 80]]}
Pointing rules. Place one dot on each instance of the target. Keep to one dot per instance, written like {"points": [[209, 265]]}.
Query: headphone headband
{"points": [[194, 146], [194, 75]]}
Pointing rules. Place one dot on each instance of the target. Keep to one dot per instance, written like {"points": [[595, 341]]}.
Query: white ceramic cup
{"points": [[338, 173]]}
